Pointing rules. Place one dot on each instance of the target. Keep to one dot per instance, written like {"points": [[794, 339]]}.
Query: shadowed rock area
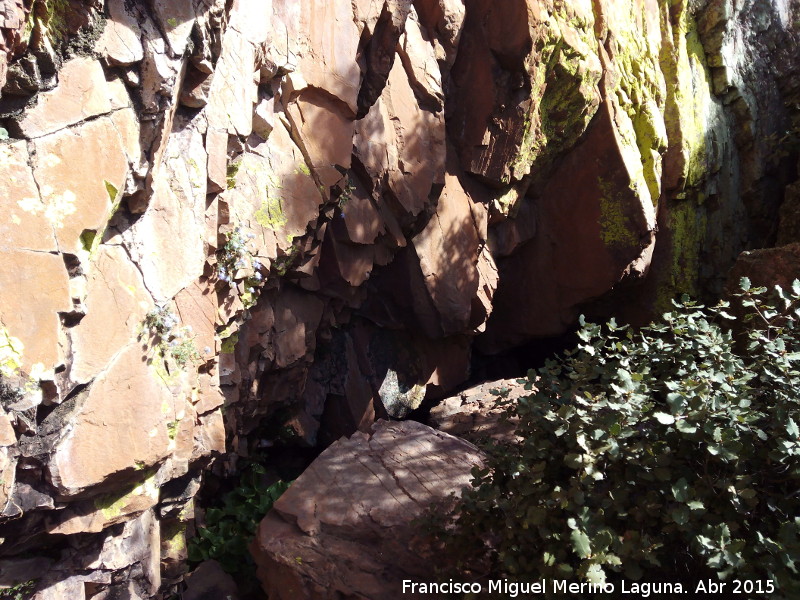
{"points": [[243, 230]]}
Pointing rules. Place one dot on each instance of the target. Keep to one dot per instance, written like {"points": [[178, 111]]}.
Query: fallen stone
{"points": [[209, 582], [344, 526], [474, 413], [767, 267]]}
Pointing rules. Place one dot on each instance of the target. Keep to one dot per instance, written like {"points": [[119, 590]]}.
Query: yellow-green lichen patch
{"points": [[564, 71], [229, 343], [270, 214], [111, 189], [55, 19], [173, 540], [11, 350], [115, 506], [615, 230], [508, 202], [687, 225], [651, 140], [232, 171], [303, 168], [689, 94], [637, 85]]}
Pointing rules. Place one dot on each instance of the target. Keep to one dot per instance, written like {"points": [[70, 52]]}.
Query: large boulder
{"points": [[344, 528]]}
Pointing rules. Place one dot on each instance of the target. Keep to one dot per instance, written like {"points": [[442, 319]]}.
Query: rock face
{"points": [[310, 214], [343, 529]]}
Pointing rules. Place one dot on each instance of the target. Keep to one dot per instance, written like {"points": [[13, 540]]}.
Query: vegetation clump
{"points": [[21, 591], [667, 454], [172, 341], [236, 262], [231, 527]]}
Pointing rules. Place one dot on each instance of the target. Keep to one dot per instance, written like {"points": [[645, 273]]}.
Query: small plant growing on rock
{"points": [[237, 266], [667, 454], [234, 255], [172, 341], [347, 193]]}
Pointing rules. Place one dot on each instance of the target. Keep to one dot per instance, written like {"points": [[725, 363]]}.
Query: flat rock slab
{"points": [[343, 529], [474, 414]]}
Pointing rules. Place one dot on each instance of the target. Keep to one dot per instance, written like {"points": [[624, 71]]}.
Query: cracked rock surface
{"points": [[343, 529]]}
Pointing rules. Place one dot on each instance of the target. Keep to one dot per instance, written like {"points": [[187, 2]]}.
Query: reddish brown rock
{"points": [[297, 316], [474, 414], [420, 163], [196, 306], [362, 221], [420, 63], [75, 199], [443, 20], [99, 513], [348, 516], [353, 263], [7, 435], [383, 143], [273, 194], [594, 228], [39, 282], [167, 241], [12, 20], [176, 19], [116, 303], [217, 150], [120, 427], [209, 435], [25, 225], [327, 41], [120, 42], [767, 267], [312, 113], [233, 91], [542, 51], [448, 254], [210, 582], [82, 93], [8, 470], [195, 90]]}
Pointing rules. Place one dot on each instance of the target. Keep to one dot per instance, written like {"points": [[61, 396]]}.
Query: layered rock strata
{"points": [[224, 220]]}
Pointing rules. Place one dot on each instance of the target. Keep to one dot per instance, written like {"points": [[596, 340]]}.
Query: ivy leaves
{"points": [[230, 528]]}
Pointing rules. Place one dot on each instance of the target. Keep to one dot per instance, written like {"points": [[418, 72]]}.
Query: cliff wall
{"points": [[227, 223]]}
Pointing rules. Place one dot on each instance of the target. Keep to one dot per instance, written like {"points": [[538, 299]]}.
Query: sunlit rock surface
{"points": [[234, 225]]}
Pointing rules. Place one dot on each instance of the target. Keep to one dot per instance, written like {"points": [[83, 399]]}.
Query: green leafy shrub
{"points": [[230, 528], [667, 454], [21, 591]]}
